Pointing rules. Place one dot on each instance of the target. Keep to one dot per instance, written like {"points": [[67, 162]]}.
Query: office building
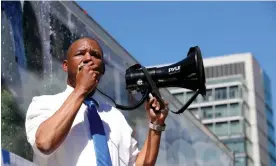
{"points": [[237, 107]]}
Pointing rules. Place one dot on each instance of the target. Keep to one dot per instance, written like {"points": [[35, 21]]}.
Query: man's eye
{"points": [[79, 53], [95, 54]]}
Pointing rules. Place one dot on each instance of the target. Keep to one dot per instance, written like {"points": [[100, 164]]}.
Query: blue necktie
{"points": [[98, 135]]}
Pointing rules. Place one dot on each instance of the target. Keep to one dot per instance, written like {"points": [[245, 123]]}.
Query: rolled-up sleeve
{"points": [[37, 113]]}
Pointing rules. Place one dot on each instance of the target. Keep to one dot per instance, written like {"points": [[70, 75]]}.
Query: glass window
{"points": [[229, 145], [233, 92], [207, 112], [271, 147], [249, 147], [220, 111], [270, 131], [220, 94], [189, 95], [235, 109], [210, 126], [246, 112], [195, 112], [272, 161], [199, 99], [245, 93], [238, 147], [209, 95], [240, 93], [221, 128], [269, 115], [248, 130], [179, 96], [235, 127], [240, 161]]}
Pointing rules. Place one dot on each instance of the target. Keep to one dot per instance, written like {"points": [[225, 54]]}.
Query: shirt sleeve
{"points": [[134, 151], [37, 113]]}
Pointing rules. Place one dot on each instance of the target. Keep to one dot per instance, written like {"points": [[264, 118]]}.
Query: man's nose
{"points": [[87, 58]]}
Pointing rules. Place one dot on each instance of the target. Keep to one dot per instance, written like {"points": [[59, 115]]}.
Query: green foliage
{"points": [[13, 128]]}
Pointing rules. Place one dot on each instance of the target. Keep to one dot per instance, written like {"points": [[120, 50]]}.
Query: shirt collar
{"points": [[70, 89]]}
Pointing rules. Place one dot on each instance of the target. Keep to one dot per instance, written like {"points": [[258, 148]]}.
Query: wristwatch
{"points": [[157, 127]]}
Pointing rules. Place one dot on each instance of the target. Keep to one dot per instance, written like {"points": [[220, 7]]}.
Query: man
{"points": [[64, 130]]}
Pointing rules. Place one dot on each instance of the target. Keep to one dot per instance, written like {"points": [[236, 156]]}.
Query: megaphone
{"points": [[187, 73]]}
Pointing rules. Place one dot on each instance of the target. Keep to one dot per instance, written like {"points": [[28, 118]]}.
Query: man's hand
{"points": [[87, 78], [155, 114]]}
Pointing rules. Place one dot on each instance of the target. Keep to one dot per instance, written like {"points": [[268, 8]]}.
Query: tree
{"points": [[12, 127]]}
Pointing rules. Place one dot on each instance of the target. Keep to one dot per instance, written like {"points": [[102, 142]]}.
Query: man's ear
{"points": [[65, 66]]}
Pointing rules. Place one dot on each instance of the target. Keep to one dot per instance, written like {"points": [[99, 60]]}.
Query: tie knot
{"points": [[90, 102]]}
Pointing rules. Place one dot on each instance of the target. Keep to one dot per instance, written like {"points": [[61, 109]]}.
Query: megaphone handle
{"points": [[161, 102]]}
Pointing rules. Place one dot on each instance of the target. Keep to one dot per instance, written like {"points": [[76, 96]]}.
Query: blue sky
{"points": [[162, 32]]}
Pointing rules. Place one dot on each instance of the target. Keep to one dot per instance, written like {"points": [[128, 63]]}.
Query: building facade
{"points": [[237, 108]]}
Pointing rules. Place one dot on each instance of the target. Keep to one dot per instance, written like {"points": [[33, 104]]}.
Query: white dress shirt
{"points": [[78, 149]]}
